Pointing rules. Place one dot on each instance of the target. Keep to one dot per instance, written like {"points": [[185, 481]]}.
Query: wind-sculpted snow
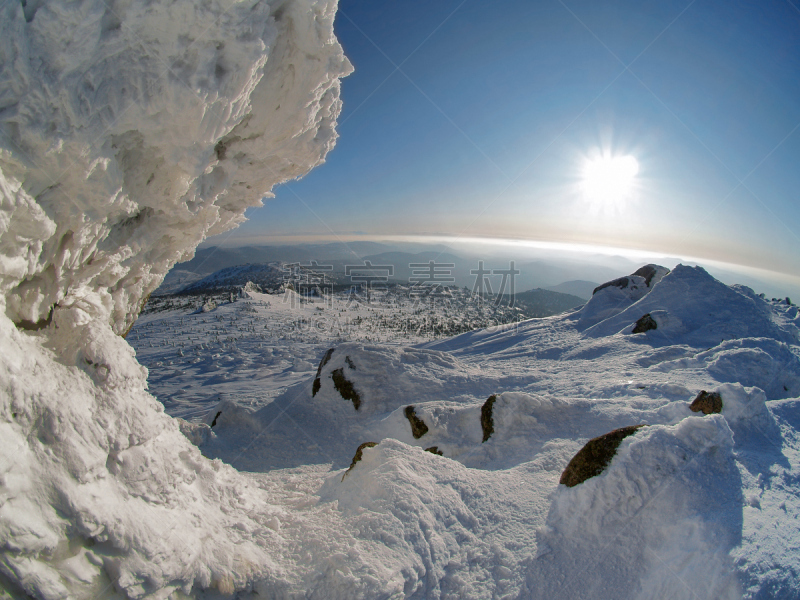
{"points": [[130, 131]]}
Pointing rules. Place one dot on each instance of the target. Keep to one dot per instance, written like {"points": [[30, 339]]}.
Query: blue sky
{"points": [[467, 118]]}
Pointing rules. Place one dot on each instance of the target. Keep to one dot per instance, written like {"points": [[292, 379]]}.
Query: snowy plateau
{"points": [[261, 459]]}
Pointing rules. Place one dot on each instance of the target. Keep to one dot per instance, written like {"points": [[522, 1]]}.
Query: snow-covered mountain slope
{"points": [[130, 131], [691, 506], [175, 280], [264, 275]]}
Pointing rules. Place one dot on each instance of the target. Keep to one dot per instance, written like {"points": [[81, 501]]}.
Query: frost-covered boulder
{"points": [[249, 288], [663, 517], [644, 324], [649, 275], [615, 296], [130, 131], [689, 307], [375, 380]]}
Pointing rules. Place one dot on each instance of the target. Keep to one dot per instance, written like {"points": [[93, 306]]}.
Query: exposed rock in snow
{"points": [[644, 324], [317, 382], [358, 455], [594, 457], [487, 421], [707, 403], [345, 387], [131, 131], [418, 427], [617, 295]]}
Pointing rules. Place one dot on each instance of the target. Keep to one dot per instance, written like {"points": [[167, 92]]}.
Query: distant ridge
{"points": [[544, 303], [580, 288]]}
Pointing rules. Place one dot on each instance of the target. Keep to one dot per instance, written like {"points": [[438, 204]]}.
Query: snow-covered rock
{"points": [[688, 305], [130, 132], [614, 296]]}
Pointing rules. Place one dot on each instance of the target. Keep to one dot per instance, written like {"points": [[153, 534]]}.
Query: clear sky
{"points": [[468, 118]]}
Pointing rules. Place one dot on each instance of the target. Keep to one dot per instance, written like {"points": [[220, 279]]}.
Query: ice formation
{"points": [[129, 132]]}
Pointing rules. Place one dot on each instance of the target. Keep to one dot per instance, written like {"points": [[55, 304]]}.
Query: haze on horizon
{"points": [[468, 120]]}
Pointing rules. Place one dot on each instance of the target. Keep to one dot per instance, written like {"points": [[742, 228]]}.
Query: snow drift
{"points": [[131, 131]]}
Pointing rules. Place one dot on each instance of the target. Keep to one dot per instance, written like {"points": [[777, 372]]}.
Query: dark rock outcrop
{"points": [[358, 456], [434, 450], [647, 272], [593, 458], [487, 422], [621, 282], [707, 403], [317, 383], [345, 387], [418, 427], [645, 323]]}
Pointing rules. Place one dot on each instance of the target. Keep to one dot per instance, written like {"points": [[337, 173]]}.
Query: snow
{"points": [[196, 456], [679, 512], [129, 134]]}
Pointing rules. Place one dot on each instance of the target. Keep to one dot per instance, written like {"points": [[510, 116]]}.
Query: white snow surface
{"points": [[691, 506]]}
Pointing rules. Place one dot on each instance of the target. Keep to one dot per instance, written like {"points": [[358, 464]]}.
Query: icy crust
{"points": [[131, 131]]}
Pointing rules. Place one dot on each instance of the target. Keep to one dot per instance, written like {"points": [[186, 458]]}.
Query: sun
{"points": [[609, 180]]}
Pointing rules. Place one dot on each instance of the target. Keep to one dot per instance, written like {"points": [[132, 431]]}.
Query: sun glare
{"points": [[609, 180]]}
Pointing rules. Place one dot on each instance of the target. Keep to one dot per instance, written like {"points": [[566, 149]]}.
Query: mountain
{"points": [[581, 289], [544, 303], [532, 274], [457, 275], [210, 259], [175, 280], [276, 446], [267, 276]]}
